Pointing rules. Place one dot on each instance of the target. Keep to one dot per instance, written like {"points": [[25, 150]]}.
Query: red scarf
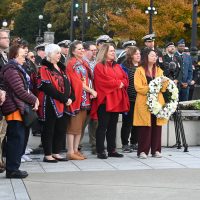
{"points": [[107, 79]]}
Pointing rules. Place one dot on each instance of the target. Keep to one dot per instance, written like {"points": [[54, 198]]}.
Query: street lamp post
{"points": [[49, 26], [151, 10], [40, 17], [72, 21], [194, 25], [4, 24], [84, 12], [39, 38], [49, 35]]}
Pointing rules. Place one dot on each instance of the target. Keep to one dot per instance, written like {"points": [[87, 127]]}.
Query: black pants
{"points": [[54, 132], [36, 127], [14, 144], [107, 127], [127, 127], [27, 133]]}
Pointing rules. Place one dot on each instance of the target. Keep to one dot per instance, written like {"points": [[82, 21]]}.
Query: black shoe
{"points": [[61, 159], [36, 133], [16, 174], [115, 154], [38, 150], [102, 156], [126, 149], [49, 161], [134, 147]]}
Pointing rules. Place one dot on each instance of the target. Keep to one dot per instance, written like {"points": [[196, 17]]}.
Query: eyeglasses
{"points": [[32, 56], [4, 38]]}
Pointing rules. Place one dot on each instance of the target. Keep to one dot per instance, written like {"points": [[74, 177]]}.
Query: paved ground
{"points": [[175, 176]]}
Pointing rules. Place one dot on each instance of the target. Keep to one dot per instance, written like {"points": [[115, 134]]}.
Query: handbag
{"points": [[29, 115]]}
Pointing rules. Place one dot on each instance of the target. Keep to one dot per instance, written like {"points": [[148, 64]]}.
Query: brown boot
{"points": [[80, 154], [73, 156]]}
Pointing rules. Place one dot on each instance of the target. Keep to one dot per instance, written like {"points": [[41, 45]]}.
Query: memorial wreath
{"points": [[155, 107]]}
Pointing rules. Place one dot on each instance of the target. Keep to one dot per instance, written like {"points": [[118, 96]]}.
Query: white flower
{"points": [[152, 98]]}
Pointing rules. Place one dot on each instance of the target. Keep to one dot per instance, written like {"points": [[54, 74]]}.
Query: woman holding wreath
{"points": [[148, 126]]}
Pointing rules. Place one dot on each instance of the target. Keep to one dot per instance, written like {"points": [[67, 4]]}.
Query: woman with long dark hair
{"points": [[80, 76], [148, 126], [129, 65]]}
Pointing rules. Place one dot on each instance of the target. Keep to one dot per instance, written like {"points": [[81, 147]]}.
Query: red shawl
{"points": [[107, 79], [77, 85], [47, 75]]}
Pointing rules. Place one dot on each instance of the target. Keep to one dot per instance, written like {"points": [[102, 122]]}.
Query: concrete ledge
{"points": [[191, 127]]}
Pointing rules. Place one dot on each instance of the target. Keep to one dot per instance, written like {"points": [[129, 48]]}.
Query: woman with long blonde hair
{"points": [[110, 82]]}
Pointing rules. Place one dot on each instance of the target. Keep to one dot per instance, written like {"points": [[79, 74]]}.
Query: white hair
{"points": [[51, 49]]}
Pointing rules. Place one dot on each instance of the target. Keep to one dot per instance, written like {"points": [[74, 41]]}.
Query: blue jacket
{"points": [[186, 68]]}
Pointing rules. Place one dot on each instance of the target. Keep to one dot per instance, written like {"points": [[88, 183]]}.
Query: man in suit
{"points": [[172, 63], [186, 71], [4, 45]]}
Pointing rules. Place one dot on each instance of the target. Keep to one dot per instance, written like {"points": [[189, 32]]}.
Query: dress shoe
{"points": [[49, 161], [61, 159], [115, 154], [16, 174], [102, 155], [38, 150], [73, 156], [80, 154]]}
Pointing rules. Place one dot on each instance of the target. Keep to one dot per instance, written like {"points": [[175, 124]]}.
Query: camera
{"points": [[170, 69], [172, 66]]}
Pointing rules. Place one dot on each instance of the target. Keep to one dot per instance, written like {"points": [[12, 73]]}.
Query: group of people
{"points": [[75, 84]]}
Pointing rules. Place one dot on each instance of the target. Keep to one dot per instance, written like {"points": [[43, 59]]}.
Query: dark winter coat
{"points": [[16, 89]]}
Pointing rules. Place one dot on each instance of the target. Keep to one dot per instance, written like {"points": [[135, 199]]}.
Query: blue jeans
{"points": [[14, 145]]}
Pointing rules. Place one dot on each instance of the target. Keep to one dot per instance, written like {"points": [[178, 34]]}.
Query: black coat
{"points": [[172, 67]]}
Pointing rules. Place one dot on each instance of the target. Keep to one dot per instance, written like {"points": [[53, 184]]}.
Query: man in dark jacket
{"points": [[172, 63], [64, 45], [40, 53], [4, 44], [186, 70]]}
